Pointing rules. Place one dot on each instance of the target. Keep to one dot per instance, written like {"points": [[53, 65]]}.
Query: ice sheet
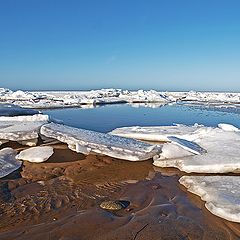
{"points": [[36, 154], [8, 162], [86, 141], [221, 194]]}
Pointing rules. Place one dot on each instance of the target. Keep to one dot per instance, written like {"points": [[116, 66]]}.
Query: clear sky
{"points": [[149, 44]]}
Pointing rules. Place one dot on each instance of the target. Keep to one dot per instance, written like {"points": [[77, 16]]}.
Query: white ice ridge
{"points": [[36, 154], [221, 194], [53, 99], [8, 162], [23, 129], [86, 141], [222, 152]]}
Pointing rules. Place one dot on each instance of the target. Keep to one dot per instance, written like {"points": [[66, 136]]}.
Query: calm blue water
{"points": [[108, 117]]}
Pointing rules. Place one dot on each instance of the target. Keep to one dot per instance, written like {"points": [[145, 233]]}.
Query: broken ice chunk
{"points": [[23, 129], [171, 151], [188, 145], [221, 194], [89, 141], [36, 154], [8, 162]]}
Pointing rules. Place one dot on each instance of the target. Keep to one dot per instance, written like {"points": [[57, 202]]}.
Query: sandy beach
{"points": [[60, 199]]}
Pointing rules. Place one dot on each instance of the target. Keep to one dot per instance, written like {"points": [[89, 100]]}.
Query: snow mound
{"points": [[86, 141], [36, 154], [8, 162], [221, 194]]}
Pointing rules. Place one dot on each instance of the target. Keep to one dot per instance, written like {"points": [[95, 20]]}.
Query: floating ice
{"points": [[86, 141], [222, 156], [8, 162], [221, 194], [23, 129], [36, 154]]}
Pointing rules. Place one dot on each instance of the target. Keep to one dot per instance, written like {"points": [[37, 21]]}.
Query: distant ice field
{"points": [[108, 117]]}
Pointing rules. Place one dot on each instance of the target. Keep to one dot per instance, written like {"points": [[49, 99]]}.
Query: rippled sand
{"points": [[60, 199]]}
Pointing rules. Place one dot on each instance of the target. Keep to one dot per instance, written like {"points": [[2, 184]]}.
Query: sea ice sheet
{"points": [[222, 156], [8, 162], [36, 154], [86, 141], [23, 129], [221, 194]]}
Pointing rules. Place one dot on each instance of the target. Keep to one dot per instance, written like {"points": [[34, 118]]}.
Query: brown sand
{"points": [[60, 199]]}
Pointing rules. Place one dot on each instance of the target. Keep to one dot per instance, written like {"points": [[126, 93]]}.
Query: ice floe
{"points": [[8, 162], [23, 129], [85, 141], [36, 154], [221, 194], [222, 153], [195, 148]]}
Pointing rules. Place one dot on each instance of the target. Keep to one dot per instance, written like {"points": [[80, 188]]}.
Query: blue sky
{"points": [[150, 44]]}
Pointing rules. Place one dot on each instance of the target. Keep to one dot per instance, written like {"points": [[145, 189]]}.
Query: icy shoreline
{"points": [[61, 99], [192, 149]]}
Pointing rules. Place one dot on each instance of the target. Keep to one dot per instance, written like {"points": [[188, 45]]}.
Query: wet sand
{"points": [[60, 199]]}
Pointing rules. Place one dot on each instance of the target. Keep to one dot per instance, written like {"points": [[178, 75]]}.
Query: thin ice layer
{"points": [[222, 156], [86, 141], [8, 162], [156, 134], [221, 194], [36, 154], [24, 129]]}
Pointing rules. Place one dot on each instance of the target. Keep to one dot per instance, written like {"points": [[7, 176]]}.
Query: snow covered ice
{"points": [[221, 194], [23, 129], [8, 162], [86, 141], [36, 154]]}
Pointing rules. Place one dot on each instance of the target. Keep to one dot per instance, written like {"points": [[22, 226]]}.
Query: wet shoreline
{"points": [[60, 199]]}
